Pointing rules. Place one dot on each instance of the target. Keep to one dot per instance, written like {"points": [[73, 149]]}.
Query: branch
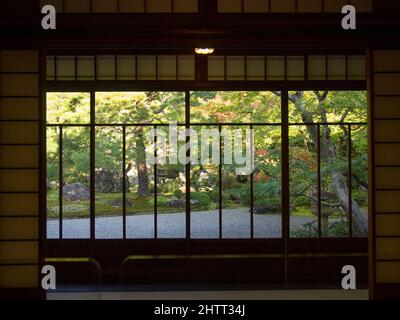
{"points": [[343, 127], [344, 116], [292, 97], [322, 111], [323, 203], [321, 97]]}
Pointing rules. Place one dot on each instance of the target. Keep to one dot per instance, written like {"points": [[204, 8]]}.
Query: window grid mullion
{"points": [[61, 182], [319, 211]]}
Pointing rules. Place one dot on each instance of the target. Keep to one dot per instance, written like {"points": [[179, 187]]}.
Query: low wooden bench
{"points": [[78, 260], [133, 258]]}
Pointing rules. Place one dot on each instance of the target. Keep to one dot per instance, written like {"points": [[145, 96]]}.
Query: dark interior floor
{"points": [[181, 293]]}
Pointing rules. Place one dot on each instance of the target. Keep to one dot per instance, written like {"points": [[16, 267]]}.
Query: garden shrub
{"points": [[214, 195], [230, 182], [303, 201], [161, 201], [178, 194], [310, 230], [204, 200], [108, 181], [264, 194], [307, 230], [360, 196]]}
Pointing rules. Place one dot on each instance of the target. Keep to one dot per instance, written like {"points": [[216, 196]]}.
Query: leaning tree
{"points": [[327, 151]]}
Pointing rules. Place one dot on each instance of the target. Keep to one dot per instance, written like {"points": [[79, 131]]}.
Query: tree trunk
{"points": [[324, 224], [360, 223], [127, 169], [143, 178]]}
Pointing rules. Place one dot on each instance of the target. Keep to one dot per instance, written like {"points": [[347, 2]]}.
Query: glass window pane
{"points": [[352, 105], [140, 185], [359, 155], [327, 109], [108, 183], [236, 168], [204, 184], [303, 190], [334, 175], [53, 182], [68, 108], [76, 184], [161, 188], [235, 107], [267, 194], [140, 107], [171, 181]]}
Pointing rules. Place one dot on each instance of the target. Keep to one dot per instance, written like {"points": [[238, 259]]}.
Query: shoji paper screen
{"points": [[19, 169], [385, 171]]}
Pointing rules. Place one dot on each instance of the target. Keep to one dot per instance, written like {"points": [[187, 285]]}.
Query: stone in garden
{"points": [[264, 209], [178, 203], [76, 192], [119, 203]]}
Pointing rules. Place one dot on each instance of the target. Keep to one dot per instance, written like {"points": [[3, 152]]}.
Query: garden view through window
{"points": [[101, 184]]}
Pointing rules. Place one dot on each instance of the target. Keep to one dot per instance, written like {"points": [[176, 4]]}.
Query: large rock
{"points": [[76, 192]]}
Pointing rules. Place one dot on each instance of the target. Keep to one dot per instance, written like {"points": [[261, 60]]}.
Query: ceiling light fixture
{"points": [[204, 50]]}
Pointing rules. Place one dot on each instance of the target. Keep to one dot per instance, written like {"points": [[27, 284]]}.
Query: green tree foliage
{"points": [[262, 108]]}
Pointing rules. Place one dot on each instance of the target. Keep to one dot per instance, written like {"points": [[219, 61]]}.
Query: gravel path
{"points": [[204, 224]]}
